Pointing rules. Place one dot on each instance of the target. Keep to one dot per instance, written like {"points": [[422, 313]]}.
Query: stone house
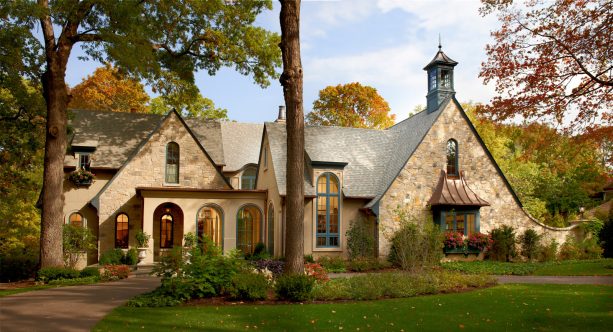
{"points": [[169, 176]]}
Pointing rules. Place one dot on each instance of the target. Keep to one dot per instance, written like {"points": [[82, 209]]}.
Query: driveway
{"points": [[74, 308]]}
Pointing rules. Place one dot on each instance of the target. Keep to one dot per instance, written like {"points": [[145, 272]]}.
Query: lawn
{"points": [[6, 292], [505, 307], [563, 268]]}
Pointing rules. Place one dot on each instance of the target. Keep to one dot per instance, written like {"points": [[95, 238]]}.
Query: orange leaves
{"points": [[351, 105], [108, 89]]}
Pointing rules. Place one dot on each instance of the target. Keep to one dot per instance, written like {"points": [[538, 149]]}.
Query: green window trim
{"points": [[455, 213], [331, 239], [173, 156], [248, 234], [219, 238]]}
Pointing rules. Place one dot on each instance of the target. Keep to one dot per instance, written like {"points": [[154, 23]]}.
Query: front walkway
{"points": [[74, 308]]}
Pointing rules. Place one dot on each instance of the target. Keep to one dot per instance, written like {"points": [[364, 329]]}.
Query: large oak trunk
{"points": [[56, 96], [291, 79]]}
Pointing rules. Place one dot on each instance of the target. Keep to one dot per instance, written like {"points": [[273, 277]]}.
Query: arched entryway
{"points": [[167, 228]]}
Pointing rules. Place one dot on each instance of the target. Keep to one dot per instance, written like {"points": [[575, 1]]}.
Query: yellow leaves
{"points": [[108, 89]]}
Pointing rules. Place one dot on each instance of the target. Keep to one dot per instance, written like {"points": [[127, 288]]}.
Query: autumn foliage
{"points": [[351, 105], [551, 60], [108, 89]]}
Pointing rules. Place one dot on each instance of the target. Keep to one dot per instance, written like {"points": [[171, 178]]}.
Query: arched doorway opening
{"points": [[167, 228]]}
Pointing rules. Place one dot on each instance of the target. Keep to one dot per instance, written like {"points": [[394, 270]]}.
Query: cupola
{"points": [[440, 79]]}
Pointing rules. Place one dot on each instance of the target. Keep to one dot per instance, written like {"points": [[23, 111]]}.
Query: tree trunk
{"points": [[291, 80], [54, 89]]}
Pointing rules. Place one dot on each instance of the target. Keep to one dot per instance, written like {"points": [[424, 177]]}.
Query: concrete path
{"points": [[577, 280], [74, 308]]}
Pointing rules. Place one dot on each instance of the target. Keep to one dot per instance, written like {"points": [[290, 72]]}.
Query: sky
{"points": [[381, 43]]}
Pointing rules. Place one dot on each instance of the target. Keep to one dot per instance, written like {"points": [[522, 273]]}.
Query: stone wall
{"points": [[147, 169], [415, 184]]}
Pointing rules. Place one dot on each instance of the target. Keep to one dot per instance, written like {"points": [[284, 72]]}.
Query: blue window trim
{"points": [[327, 235], [178, 162], [238, 213], [457, 157], [221, 220], [443, 214]]}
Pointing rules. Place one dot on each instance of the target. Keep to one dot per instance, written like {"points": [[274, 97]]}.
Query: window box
{"points": [[81, 178], [461, 250]]}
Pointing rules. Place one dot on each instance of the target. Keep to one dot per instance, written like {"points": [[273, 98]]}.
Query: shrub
{"points": [[570, 249], [142, 239], [530, 244], [332, 264], [75, 281], [453, 240], [131, 257], [367, 264], [548, 253], [316, 271], [249, 287], [90, 272], [76, 241], [111, 257], [414, 246], [503, 246], [274, 266], [115, 272], [575, 249], [153, 299], [309, 259], [294, 287], [590, 248], [480, 241], [54, 273], [360, 240], [17, 265]]}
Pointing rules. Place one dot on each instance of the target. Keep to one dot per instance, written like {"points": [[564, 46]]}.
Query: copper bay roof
{"points": [[455, 191]]}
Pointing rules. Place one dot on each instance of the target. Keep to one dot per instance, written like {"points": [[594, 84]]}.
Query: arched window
{"points": [[166, 231], [271, 229], [76, 219], [172, 163], [209, 225], [248, 178], [328, 222], [452, 157], [248, 228], [121, 231]]}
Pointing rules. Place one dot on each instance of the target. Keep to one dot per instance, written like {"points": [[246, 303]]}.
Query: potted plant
{"points": [[81, 177], [142, 240]]}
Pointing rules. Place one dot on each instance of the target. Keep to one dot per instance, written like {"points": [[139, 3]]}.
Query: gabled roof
{"points": [[241, 144], [116, 135]]}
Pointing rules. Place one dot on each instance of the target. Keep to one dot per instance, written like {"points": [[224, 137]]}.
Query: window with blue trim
{"points": [[248, 228], [465, 222], [209, 225], [172, 162], [452, 157], [328, 222]]}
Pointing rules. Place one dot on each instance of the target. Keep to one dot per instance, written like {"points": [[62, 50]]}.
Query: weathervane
{"points": [[439, 41]]}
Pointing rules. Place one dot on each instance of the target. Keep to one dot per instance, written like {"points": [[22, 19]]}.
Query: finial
{"points": [[439, 42]]}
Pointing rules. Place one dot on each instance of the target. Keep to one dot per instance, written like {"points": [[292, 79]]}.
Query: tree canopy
{"points": [[147, 40], [107, 89], [551, 60], [351, 105]]}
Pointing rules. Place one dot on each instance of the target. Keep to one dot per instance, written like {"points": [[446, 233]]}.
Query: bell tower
{"points": [[440, 79]]}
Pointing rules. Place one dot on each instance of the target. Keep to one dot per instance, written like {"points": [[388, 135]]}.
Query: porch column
{"points": [[148, 210]]}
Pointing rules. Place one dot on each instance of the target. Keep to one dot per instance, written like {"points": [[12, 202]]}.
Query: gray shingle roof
{"points": [[115, 135], [241, 144], [374, 157]]}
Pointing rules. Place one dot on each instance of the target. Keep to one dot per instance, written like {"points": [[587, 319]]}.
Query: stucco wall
{"points": [[147, 169], [266, 180], [415, 184]]}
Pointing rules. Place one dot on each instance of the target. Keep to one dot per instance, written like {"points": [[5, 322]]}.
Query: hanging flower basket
{"points": [[81, 177]]}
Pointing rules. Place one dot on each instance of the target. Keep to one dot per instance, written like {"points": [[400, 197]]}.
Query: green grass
{"points": [[562, 268], [51, 284], [505, 307], [6, 292]]}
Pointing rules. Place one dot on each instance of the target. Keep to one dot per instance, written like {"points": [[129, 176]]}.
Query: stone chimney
{"points": [[281, 117]]}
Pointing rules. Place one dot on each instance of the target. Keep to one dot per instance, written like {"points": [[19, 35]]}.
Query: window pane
{"points": [[248, 178], [84, 161], [452, 157], [121, 231], [333, 184], [321, 241], [209, 225], [321, 184], [471, 223], [172, 163], [460, 223], [449, 221], [249, 230], [333, 215], [76, 219]]}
